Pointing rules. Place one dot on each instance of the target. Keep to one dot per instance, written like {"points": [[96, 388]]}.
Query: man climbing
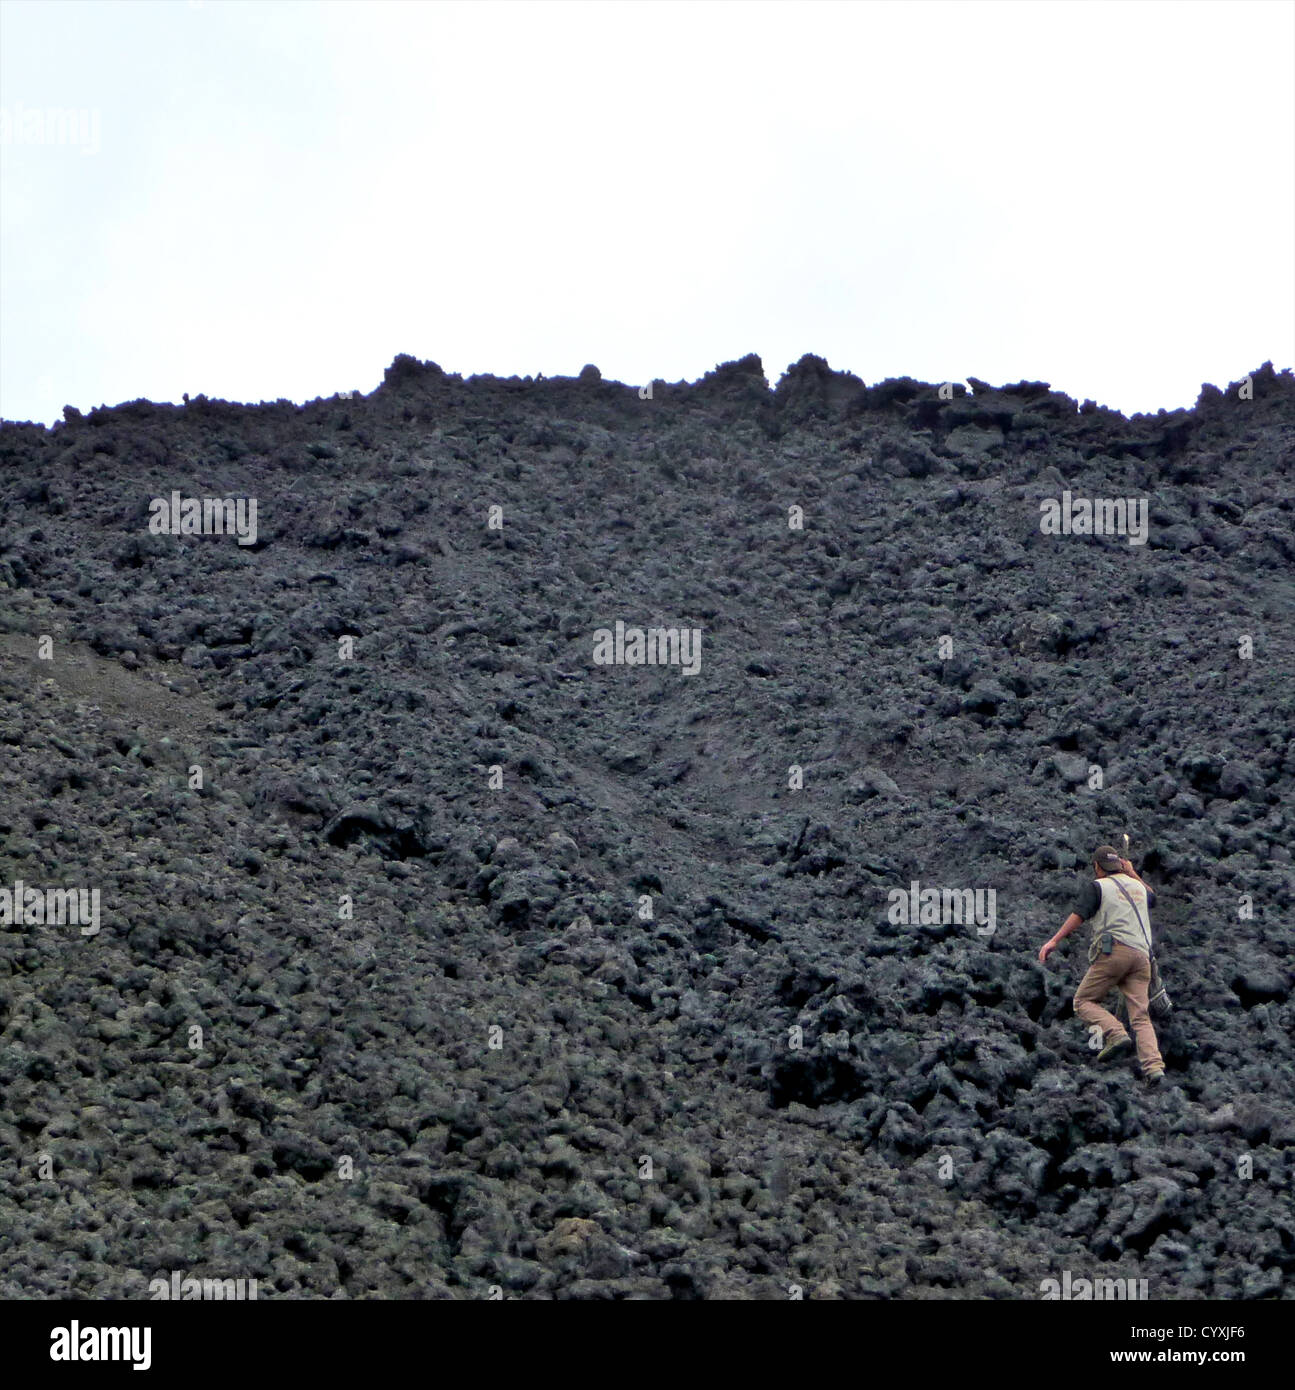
{"points": [[1118, 904]]}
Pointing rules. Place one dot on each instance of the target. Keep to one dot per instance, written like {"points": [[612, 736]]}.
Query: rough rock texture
{"points": [[364, 1019]]}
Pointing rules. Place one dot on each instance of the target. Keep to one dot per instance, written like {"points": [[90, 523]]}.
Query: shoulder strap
{"points": [[1128, 899]]}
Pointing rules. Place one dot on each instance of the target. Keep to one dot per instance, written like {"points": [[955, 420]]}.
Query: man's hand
{"points": [[1067, 927]]}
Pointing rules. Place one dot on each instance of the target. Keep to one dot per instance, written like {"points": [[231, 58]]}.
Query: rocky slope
{"points": [[445, 962]]}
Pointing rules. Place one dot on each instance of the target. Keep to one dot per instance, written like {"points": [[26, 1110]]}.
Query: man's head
{"points": [[1106, 860]]}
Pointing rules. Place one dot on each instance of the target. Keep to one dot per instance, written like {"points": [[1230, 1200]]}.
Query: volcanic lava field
{"points": [[438, 957]]}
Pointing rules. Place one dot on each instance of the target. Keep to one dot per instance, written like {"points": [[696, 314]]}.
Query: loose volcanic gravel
{"points": [[436, 958]]}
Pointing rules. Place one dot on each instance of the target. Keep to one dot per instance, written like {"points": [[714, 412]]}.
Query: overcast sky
{"points": [[257, 200]]}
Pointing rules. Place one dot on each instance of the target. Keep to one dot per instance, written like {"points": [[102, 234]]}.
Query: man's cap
{"points": [[1108, 858]]}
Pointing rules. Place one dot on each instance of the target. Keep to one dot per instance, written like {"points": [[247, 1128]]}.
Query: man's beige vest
{"points": [[1116, 916]]}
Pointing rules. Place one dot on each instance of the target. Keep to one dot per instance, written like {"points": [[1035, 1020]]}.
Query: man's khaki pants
{"points": [[1130, 972]]}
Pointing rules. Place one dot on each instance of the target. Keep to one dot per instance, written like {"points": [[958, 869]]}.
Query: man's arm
{"points": [[1067, 927], [1133, 873]]}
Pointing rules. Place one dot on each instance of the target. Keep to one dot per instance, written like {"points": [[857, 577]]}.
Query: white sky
{"points": [[274, 199]]}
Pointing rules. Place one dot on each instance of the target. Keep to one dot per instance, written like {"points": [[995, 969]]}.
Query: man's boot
{"points": [[1117, 1042]]}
